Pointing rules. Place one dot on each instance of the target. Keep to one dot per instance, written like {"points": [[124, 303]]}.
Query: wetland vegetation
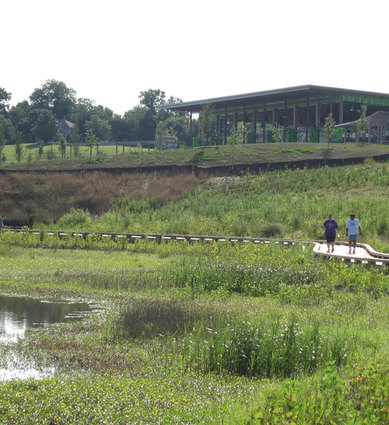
{"points": [[208, 333]]}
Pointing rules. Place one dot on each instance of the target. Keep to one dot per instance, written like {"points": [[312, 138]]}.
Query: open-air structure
{"points": [[301, 111]]}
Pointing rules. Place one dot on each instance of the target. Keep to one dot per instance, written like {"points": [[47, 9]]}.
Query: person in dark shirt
{"points": [[330, 226]]}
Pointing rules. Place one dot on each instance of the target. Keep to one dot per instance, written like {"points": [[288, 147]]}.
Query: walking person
{"points": [[352, 229], [330, 226]]}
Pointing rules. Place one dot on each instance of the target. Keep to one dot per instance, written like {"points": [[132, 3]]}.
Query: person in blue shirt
{"points": [[352, 229], [330, 226]]}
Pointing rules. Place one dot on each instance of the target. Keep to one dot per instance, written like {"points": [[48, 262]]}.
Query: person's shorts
{"points": [[330, 239], [352, 237]]}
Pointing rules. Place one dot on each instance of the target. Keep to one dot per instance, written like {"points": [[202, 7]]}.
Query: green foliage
{"points": [[277, 133], [19, 150], [327, 398], [161, 347], [363, 122], [205, 120], [329, 127], [246, 346], [74, 219]]}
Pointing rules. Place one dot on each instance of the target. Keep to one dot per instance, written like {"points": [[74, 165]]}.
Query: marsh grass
{"points": [[169, 352], [260, 279], [263, 349], [154, 318]]}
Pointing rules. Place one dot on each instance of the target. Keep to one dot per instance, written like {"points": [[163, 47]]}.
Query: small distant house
{"points": [[65, 127]]}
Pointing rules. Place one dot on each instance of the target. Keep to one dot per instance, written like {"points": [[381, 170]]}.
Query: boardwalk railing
{"points": [[377, 258]]}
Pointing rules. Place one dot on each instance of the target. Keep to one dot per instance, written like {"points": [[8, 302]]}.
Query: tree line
{"points": [[37, 119]]}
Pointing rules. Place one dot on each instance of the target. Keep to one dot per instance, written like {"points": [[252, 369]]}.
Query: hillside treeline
{"points": [[39, 118]]}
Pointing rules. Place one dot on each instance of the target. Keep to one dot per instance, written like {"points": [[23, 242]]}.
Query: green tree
{"points": [[165, 133], [277, 133], [56, 97], [100, 127], [205, 120], [19, 151], [40, 151], [90, 140], [23, 118], [76, 142], [2, 143], [363, 123], [329, 128], [8, 129], [237, 137], [153, 100], [5, 97], [62, 146], [46, 126]]}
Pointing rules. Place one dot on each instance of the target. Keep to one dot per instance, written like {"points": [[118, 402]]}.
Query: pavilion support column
{"points": [[273, 118], [341, 111], [295, 117], [254, 126], [225, 126], [307, 121], [217, 127], [264, 124], [236, 122], [244, 124], [190, 128], [285, 120], [317, 119]]}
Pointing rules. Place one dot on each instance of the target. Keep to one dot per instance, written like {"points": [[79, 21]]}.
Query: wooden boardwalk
{"points": [[364, 253]]}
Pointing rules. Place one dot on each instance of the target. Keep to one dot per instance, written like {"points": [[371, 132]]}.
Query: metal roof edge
{"points": [[285, 90]]}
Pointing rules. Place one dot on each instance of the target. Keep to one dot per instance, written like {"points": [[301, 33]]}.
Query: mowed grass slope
{"points": [[119, 157]]}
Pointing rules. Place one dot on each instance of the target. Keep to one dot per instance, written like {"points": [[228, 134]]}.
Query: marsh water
{"points": [[20, 315]]}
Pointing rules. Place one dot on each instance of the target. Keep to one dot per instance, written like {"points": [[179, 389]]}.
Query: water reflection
{"points": [[18, 315]]}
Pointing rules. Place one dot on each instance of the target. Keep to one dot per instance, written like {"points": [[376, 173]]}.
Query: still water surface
{"points": [[19, 315]]}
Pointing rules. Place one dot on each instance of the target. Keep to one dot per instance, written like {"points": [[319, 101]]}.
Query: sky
{"points": [[111, 50]]}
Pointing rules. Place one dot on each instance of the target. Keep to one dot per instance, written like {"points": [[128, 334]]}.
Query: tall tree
{"points": [[152, 100], [100, 127], [5, 97], [55, 96], [46, 126], [23, 118], [205, 120]]}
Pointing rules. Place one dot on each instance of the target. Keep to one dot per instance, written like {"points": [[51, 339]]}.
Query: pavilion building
{"points": [[301, 111]]}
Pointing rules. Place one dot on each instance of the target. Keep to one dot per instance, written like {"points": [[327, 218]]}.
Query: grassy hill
{"points": [[285, 203], [211, 156]]}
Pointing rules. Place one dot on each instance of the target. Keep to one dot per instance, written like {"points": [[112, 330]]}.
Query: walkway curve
{"points": [[365, 254]]}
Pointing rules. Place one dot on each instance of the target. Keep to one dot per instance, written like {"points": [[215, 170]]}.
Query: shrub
{"points": [[271, 230], [74, 218]]}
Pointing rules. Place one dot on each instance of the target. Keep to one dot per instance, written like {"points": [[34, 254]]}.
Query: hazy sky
{"points": [[111, 50]]}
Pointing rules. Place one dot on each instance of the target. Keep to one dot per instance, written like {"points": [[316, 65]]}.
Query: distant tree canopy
{"points": [[33, 119], [5, 97]]}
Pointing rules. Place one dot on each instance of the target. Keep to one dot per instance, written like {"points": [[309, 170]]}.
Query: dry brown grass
{"points": [[29, 198]]}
